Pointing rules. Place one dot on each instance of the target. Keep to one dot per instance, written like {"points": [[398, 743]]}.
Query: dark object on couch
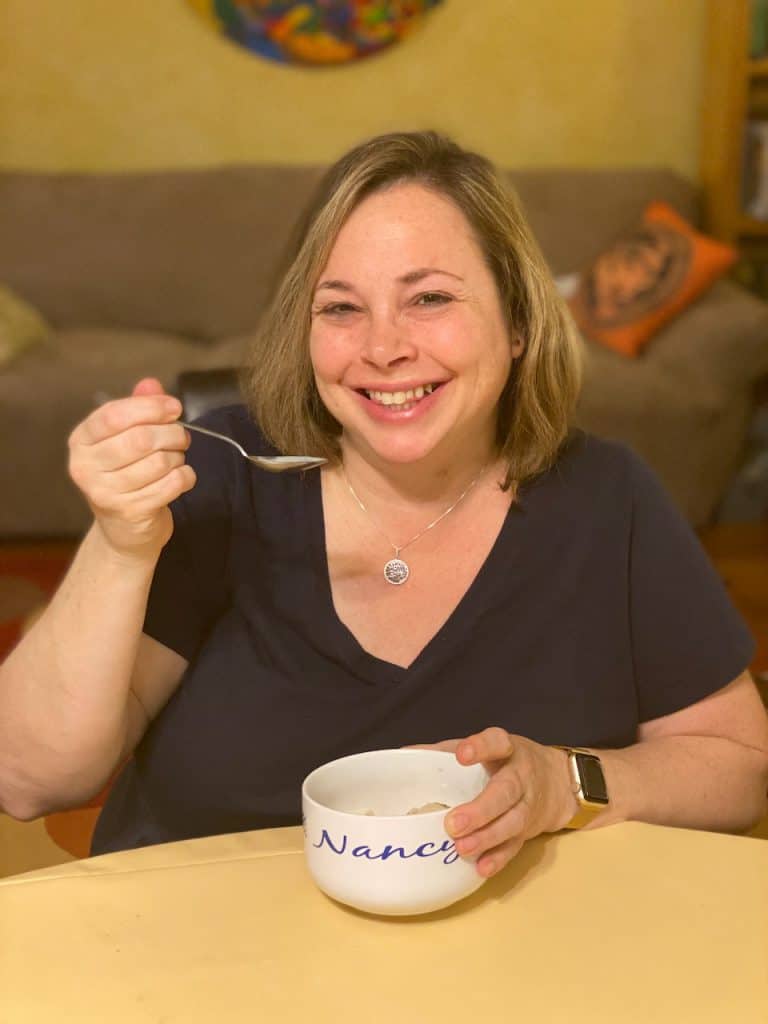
{"points": [[201, 390], [746, 499]]}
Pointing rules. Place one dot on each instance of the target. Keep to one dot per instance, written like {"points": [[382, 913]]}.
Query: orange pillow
{"points": [[646, 278]]}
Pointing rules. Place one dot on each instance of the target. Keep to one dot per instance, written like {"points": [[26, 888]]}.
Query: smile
{"points": [[402, 399]]}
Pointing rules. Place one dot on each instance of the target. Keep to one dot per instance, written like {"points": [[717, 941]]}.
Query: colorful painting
{"points": [[314, 31]]}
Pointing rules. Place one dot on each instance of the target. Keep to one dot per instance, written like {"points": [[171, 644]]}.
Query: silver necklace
{"points": [[396, 571]]}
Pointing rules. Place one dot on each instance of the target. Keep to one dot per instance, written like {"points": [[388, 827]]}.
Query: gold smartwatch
{"points": [[587, 783]]}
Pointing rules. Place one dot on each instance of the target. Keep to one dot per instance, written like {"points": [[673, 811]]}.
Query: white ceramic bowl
{"points": [[389, 862]]}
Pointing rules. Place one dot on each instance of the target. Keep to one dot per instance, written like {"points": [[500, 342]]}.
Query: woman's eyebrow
{"points": [[339, 286], [412, 277]]}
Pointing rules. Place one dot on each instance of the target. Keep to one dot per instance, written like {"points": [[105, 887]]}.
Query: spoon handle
{"points": [[212, 433]]}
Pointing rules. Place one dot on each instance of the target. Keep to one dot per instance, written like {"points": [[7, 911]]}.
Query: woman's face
{"points": [[409, 343]]}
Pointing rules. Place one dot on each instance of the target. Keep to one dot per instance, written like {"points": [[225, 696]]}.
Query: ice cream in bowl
{"points": [[374, 830]]}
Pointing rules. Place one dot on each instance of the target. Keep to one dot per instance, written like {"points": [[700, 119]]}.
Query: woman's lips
{"points": [[403, 412]]}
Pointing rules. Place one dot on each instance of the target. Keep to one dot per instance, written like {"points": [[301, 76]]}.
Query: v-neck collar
{"points": [[472, 603]]}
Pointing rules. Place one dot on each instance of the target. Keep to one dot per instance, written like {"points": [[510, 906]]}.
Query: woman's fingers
{"points": [[493, 747], [121, 414], [136, 443], [162, 492], [492, 744], [447, 745], [503, 791], [497, 858], [493, 841], [510, 823], [146, 497], [148, 386], [141, 505], [491, 828], [145, 471]]}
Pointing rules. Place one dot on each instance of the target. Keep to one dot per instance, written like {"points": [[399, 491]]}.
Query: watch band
{"points": [[590, 803]]}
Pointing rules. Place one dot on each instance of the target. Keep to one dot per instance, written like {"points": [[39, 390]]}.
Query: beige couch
{"points": [[155, 273]]}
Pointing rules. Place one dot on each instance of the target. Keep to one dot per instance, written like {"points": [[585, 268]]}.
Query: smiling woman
{"points": [[556, 621], [435, 227]]}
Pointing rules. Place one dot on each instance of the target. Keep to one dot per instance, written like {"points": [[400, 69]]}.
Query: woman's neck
{"points": [[427, 482]]}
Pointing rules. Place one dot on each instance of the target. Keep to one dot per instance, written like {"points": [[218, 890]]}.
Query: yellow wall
{"points": [[118, 84]]}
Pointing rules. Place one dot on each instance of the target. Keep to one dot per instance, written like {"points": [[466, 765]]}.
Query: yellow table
{"points": [[631, 923]]}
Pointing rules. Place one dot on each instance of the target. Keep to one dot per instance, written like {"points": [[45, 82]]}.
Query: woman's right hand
{"points": [[128, 459]]}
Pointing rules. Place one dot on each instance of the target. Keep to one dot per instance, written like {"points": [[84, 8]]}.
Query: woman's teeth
{"points": [[400, 397]]}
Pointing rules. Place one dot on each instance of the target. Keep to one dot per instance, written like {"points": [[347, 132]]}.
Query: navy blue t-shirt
{"points": [[596, 610]]}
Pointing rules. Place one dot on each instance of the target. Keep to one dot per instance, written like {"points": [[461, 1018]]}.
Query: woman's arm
{"points": [[703, 767], [73, 693], [67, 710]]}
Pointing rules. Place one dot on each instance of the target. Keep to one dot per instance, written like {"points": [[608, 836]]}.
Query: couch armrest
{"points": [[201, 390]]}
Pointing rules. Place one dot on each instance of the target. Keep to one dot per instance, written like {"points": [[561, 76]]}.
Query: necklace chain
{"points": [[397, 549]]}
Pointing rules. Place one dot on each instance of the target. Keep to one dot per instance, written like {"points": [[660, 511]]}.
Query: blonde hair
{"points": [[536, 406]]}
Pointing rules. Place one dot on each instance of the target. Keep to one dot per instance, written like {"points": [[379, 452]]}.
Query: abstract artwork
{"points": [[314, 31]]}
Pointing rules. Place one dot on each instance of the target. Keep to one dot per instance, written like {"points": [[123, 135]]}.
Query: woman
{"points": [[463, 566]]}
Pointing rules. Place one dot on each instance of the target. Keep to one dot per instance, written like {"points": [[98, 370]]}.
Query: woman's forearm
{"points": [[703, 782], [64, 689]]}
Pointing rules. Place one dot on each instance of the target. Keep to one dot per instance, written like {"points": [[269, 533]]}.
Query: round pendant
{"points": [[396, 571]]}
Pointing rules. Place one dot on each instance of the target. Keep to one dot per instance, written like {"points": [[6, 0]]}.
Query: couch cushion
{"points": [[190, 252], [684, 404], [721, 339], [694, 446], [50, 388]]}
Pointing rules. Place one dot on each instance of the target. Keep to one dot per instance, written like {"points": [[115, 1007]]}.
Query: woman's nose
{"points": [[387, 343]]}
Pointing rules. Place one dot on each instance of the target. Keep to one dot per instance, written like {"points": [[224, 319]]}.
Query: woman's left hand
{"points": [[528, 793]]}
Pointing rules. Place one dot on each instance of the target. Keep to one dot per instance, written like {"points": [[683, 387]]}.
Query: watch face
{"points": [[592, 779]]}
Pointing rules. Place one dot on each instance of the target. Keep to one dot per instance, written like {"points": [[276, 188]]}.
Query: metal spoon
{"points": [[272, 463]]}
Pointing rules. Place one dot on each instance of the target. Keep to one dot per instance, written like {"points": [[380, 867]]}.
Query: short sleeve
{"points": [[190, 588], [688, 640]]}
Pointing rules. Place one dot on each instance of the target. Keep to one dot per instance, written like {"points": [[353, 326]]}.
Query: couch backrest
{"points": [[574, 213], [195, 252]]}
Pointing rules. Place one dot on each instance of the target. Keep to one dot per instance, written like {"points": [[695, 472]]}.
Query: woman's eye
{"points": [[432, 299], [338, 308]]}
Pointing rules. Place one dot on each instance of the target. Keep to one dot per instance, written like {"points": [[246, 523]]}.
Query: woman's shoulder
{"points": [[586, 453], [589, 472]]}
